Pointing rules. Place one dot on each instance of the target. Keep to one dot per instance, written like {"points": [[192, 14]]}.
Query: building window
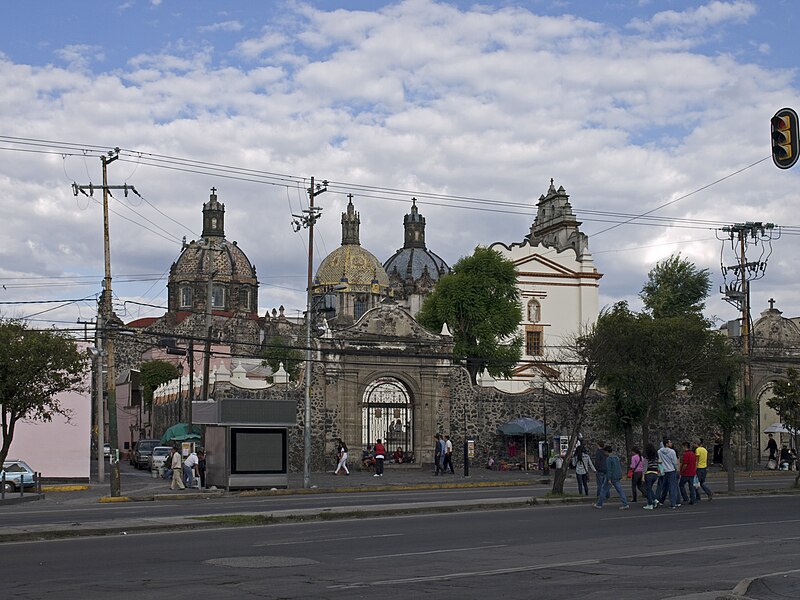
{"points": [[534, 311], [359, 307], [244, 298], [534, 341], [218, 297], [186, 297]]}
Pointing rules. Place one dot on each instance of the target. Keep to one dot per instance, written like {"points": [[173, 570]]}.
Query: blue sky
{"points": [[628, 105]]}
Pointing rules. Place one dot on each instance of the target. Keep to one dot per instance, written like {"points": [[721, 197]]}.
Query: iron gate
{"points": [[388, 415]]}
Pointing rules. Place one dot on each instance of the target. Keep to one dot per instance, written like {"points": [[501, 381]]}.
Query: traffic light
{"points": [[784, 138]]}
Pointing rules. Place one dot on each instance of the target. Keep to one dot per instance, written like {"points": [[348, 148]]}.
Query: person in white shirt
{"points": [[189, 466]]}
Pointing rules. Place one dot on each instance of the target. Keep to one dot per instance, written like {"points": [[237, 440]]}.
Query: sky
{"points": [[653, 115]]}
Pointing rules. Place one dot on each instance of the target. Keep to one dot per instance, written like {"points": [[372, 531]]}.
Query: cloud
{"points": [[229, 26], [696, 20], [80, 56]]}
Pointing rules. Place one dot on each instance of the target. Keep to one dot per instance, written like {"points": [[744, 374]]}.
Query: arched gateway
{"points": [[388, 414]]}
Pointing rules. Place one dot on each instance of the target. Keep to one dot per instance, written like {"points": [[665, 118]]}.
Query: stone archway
{"points": [[388, 414]]}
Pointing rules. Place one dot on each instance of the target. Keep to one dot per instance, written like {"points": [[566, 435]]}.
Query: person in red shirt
{"points": [[688, 472], [380, 454]]}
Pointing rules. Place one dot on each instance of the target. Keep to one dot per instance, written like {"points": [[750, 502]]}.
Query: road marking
{"points": [[749, 524], [650, 515], [433, 552], [333, 539], [672, 552], [464, 574]]}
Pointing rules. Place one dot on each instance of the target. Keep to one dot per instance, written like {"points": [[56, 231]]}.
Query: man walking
{"points": [[177, 470], [688, 472], [600, 458], [702, 468], [614, 475], [438, 450], [448, 455], [669, 463]]}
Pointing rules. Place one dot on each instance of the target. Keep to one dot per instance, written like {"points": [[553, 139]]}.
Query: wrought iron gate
{"points": [[388, 415]]}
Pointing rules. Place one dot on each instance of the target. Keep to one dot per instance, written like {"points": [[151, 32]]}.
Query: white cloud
{"points": [[80, 56], [698, 19], [228, 26]]}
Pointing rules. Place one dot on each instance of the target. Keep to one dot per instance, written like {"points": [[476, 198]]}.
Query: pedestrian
{"points": [[772, 448], [380, 454], [438, 449], [688, 473], [342, 454], [717, 456], [583, 464], [637, 473], [177, 470], [669, 464], [600, 467], [201, 467], [650, 475], [189, 466], [613, 477], [448, 455], [702, 468]]}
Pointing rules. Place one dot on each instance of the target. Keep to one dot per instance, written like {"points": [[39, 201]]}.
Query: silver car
{"points": [[16, 473]]}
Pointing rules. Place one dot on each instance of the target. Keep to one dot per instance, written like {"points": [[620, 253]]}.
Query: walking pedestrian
{"points": [[177, 470], [669, 465], [688, 472], [614, 475], [650, 475], [380, 455], [772, 447], [583, 464], [447, 460], [600, 468], [637, 472], [342, 459], [702, 469], [438, 449]]}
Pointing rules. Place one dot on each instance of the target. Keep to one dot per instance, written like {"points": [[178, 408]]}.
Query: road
{"points": [[543, 552]]}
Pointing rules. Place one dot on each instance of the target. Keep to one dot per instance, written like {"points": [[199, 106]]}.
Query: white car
{"points": [[158, 457]]}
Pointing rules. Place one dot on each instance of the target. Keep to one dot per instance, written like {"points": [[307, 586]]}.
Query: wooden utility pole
{"points": [[107, 316]]}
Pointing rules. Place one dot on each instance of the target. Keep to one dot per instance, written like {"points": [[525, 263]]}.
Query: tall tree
{"points": [[35, 366], [786, 402], [276, 351], [675, 287], [152, 374], [479, 301]]}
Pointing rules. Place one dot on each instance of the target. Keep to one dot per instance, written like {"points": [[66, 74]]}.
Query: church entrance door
{"points": [[388, 414]]}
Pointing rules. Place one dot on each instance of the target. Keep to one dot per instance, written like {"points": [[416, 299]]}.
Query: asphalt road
{"points": [[539, 552]]}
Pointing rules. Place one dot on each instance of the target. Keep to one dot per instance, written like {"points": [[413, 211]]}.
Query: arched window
{"points": [[244, 298], [387, 414], [186, 297], [534, 311], [359, 307], [218, 297]]}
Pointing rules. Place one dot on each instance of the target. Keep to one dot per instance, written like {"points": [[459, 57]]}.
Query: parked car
{"points": [[158, 457], [17, 473], [142, 451]]}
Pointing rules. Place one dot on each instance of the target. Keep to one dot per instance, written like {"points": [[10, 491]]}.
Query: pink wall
{"points": [[58, 449]]}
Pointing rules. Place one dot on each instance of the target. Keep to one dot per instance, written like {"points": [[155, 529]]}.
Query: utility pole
{"points": [[209, 324], [108, 315], [307, 219], [737, 293]]}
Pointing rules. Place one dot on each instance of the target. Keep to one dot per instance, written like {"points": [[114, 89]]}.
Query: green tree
{"points": [[276, 351], [35, 366], [786, 402], [152, 374], [479, 301], [675, 287]]}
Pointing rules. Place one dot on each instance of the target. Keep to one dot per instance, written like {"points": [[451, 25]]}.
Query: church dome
{"points": [[414, 268], [234, 287], [350, 263]]}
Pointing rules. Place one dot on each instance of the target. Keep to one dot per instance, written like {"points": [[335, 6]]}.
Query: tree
{"points": [[675, 287], [35, 366], [572, 389], [152, 374], [786, 402], [479, 301], [276, 351]]}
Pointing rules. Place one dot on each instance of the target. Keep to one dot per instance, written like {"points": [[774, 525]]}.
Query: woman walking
{"points": [[637, 472], [342, 459], [650, 475], [583, 464]]}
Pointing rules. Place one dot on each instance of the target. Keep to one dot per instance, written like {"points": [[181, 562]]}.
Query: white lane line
{"points": [[673, 552], [332, 539], [443, 551], [749, 524], [464, 574]]}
